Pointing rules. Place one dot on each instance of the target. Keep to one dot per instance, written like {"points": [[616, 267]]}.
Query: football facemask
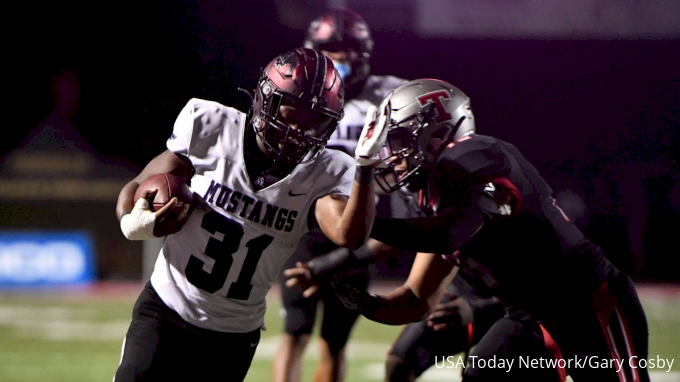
{"points": [[427, 115], [298, 103]]}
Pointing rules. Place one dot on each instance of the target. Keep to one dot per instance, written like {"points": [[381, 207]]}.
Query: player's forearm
{"points": [[441, 234], [167, 161], [355, 216], [358, 215], [125, 201]]}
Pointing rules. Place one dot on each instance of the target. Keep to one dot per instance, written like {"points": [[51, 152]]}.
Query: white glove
{"points": [[138, 224], [374, 134]]}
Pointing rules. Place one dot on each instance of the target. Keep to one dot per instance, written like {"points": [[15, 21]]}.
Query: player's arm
{"points": [[348, 221], [137, 220], [411, 302], [167, 161], [308, 275], [445, 233]]}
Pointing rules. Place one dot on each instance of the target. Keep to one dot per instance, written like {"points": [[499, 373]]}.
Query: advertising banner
{"points": [[45, 258]]}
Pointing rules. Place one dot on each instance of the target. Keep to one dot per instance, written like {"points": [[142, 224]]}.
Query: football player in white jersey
{"points": [[260, 180], [344, 36]]}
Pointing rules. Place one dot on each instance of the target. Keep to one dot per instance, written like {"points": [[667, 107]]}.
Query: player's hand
{"points": [[457, 312], [351, 288], [302, 276], [140, 223], [166, 223], [374, 134]]}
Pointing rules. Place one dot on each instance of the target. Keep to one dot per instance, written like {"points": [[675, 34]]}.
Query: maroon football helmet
{"points": [[305, 81], [341, 29]]}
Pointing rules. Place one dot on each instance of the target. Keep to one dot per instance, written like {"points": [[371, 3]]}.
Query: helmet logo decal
{"points": [[322, 30], [369, 133], [286, 63], [436, 98]]}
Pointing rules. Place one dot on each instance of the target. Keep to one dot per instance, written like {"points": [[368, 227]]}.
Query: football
{"points": [[168, 186]]}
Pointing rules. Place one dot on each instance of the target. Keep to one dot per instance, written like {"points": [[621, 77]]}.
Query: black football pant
{"points": [[161, 346], [597, 339], [611, 334]]}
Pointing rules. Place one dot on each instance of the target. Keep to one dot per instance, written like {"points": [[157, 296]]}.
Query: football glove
{"points": [[350, 288], [374, 134]]}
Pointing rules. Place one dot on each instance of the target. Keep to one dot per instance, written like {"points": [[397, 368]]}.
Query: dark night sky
{"points": [[600, 117]]}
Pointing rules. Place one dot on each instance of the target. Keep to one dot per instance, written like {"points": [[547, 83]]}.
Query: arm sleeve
{"points": [[339, 259], [442, 234]]}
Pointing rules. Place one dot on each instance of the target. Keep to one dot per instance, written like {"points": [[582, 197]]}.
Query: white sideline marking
{"points": [[54, 323], [356, 349]]}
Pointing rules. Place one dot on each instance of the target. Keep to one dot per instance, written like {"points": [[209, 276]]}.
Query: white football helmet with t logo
{"points": [[427, 115]]}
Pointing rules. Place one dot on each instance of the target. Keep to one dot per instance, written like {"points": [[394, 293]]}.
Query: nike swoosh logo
{"points": [[253, 344], [290, 193]]}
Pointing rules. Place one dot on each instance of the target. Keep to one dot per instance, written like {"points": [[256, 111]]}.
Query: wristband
{"points": [[364, 174]]}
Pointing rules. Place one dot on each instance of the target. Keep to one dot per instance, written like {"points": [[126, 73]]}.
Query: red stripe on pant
{"points": [[470, 338], [556, 353], [609, 313]]}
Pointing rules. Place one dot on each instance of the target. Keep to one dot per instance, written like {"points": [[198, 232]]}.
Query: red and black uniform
{"points": [[548, 273]]}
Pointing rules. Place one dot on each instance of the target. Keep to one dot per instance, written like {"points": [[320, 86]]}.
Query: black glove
{"points": [[351, 288]]}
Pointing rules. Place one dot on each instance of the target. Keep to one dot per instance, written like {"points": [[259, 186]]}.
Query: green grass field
{"points": [[76, 337]]}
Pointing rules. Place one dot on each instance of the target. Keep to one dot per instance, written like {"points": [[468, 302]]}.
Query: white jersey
{"points": [[216, 271], [349, 129]]}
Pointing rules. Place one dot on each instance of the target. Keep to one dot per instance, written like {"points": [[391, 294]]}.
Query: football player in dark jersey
{"points": [[490, 204]]}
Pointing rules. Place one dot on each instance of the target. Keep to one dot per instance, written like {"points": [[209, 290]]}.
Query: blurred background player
{"points": [[345, 37]]}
